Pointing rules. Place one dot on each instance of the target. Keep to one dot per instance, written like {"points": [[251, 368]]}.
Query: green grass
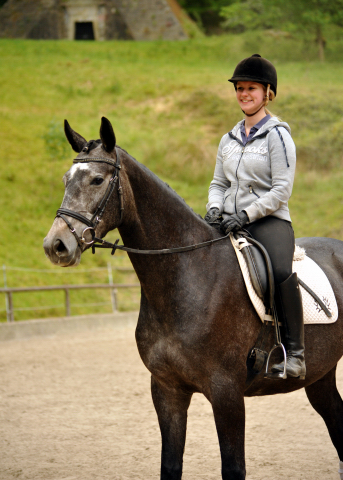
{"points": [[169, 103]]}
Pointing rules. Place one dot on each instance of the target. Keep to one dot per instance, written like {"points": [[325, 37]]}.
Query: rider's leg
{"points": [[292, 316], [277, 237]]}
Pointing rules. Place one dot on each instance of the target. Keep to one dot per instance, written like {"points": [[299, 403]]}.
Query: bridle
{"points": [[97, 216]]}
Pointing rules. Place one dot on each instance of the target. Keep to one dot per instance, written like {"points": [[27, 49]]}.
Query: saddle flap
{"points": [[256, 266]]}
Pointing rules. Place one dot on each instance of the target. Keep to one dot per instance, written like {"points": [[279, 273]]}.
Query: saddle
{"points": [[259, 270]]}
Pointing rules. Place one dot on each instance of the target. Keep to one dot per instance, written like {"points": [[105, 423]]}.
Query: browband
{"points": [[96, 159]]}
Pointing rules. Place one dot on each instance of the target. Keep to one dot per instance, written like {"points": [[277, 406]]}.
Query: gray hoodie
{"points": [[257, 178]]}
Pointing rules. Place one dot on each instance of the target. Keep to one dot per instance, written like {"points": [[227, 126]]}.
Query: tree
{"points": [[246, 15], [308, 16], [206, 13]]}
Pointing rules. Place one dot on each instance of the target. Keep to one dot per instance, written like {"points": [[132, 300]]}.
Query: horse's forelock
{"points": [[92, 144]]}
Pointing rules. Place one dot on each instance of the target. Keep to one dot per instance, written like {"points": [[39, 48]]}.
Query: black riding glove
{"points": [[214, 218], [234, 222]]}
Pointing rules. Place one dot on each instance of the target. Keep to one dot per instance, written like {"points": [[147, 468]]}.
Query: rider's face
{"points": [[249, 95]]}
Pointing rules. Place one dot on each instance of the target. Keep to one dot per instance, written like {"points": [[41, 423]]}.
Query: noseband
{"points": [[97, 216]]}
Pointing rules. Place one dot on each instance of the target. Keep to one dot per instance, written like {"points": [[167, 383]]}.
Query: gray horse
{"points": [[196, 324]]}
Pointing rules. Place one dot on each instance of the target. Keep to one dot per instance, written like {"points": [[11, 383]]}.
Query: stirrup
{"points": [[277, 375]]}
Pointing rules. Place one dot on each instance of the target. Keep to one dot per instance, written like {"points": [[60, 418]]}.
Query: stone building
{"points": [[91, 19]]}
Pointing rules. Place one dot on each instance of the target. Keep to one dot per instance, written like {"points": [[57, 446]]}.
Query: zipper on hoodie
{"points": [[239, 161], [237, 188]]}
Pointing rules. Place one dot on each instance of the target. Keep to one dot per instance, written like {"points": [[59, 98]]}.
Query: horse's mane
{"points": [[161, 182], [91, 144]]}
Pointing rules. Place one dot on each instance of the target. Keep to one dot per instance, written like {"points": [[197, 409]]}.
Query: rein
{"points": [[115, 246], [97, 216]]}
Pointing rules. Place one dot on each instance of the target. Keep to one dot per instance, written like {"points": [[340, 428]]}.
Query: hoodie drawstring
{"points": [[283, 144]]}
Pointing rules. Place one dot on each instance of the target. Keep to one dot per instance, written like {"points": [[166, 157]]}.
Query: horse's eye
{"points": [[97, 181]]}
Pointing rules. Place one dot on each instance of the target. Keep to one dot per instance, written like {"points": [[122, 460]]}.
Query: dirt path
{"points": [[78, 407]]}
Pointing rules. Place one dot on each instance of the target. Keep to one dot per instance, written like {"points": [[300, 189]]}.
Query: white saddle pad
{"points": [[311, 274]]}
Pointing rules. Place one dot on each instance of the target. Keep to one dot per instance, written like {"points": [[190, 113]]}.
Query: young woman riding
{"points": [[253, 180]]}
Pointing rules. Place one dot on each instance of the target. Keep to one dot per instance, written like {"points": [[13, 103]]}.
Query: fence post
{"points": [[10, 312], [67, 301], [114, 290]]}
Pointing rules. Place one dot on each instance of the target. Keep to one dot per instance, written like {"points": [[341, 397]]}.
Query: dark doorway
{"points": [[84, 31]]}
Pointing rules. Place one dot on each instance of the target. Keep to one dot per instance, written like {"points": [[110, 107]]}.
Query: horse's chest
{"points": [[159, 355], [166, 357]]}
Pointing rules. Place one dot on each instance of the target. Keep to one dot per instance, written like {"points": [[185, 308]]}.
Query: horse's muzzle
{"points": [[61, 247]]}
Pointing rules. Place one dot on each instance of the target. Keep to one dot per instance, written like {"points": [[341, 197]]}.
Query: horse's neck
{"points": [[155, 216]]}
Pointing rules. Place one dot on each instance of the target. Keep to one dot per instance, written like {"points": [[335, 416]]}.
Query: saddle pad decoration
{"points": [[311, 274]]}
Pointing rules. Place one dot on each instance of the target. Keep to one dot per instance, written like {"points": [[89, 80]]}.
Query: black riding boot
{"points": [[292, 316]]}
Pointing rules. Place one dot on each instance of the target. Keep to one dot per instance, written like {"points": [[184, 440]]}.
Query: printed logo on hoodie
{"points": [[233, 150]]}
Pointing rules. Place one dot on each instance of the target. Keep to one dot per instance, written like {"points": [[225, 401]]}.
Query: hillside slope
{"points": [[169, 103]]}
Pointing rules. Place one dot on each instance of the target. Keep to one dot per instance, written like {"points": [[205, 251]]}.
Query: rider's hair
{"points": [[270, 95]]}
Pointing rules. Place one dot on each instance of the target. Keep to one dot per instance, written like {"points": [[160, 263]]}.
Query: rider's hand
{"points": [[232, 223], [213, 217]]}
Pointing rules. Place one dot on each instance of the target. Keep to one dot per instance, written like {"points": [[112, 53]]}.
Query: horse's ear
{"points": [[76, 141], [107, 135]]}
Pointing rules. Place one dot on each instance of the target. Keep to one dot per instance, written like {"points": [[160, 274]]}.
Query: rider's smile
{"points": [[250, 96]]}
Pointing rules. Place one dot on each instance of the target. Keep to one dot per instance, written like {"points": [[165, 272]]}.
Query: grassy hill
{"points": [[169, 103]]}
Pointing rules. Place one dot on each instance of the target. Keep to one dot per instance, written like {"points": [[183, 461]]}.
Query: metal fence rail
{"points": [[10, 291]]}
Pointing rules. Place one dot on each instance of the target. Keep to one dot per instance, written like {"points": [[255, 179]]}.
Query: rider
{"points": [[253, 180]]}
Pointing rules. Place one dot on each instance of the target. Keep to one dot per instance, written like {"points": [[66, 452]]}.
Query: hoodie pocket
{"points": [[227, 195], [252, 190], [227, 200]]}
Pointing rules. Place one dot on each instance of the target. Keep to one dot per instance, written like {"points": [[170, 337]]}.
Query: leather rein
{"points": [[97, 216]]}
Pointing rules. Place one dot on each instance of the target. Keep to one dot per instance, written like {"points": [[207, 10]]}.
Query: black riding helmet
{"points": [[255, 69]]}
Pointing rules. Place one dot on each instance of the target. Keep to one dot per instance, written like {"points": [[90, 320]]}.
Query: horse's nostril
{"points": [[59, 246]]}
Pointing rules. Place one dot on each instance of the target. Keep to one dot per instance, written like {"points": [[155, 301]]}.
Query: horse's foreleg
{"points": [[229, 414], [171, 406], [325, 399]]}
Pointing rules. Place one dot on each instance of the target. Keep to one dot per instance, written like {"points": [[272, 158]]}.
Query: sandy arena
{"points": [[76, 405]]}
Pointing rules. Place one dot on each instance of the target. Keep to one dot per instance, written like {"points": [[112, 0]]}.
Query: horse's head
{"points": [[91, 190]]}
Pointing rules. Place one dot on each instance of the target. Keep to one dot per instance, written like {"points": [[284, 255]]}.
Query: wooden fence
{"points": [[9, 292]]}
